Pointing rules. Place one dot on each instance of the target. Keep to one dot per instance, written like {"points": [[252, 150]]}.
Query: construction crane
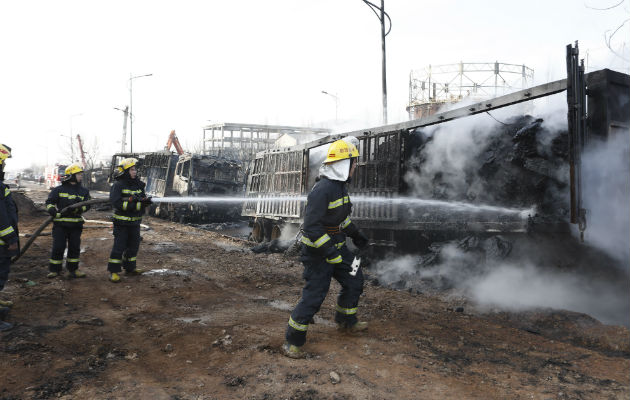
{"points": [[80, 142], [173, 141]]}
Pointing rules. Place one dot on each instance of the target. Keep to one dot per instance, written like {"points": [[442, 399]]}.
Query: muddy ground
{"points": [[210, 325]]}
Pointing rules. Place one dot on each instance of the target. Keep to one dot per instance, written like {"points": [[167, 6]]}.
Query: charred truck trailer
{"points": [[529, 175], [189, 175]]}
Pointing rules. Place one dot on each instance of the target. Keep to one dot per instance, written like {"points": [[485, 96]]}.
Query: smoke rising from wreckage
{"points": [[512, 162]]}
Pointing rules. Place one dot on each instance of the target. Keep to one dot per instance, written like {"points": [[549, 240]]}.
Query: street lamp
{"points": [[334, 96], [131, 78], [382, 17], [124, 135], [71, 134]]}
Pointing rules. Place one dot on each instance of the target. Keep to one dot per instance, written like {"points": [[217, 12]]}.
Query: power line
{"points": [[604, 9]]}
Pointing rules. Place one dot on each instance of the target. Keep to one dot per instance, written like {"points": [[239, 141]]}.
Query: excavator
{"points": [[173, 141]]}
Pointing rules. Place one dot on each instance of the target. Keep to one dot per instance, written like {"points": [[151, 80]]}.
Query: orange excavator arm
{"points": [[173, 141]]}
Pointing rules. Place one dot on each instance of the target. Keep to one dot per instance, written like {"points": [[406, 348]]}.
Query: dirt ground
{"points": [[209, 320]]}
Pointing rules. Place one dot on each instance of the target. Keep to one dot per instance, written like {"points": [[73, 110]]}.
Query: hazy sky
{"points": [[263, 62]]}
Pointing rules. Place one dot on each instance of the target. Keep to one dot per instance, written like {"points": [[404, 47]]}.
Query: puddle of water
{"points": [[201, 319], [229, 247], [165, 271]]}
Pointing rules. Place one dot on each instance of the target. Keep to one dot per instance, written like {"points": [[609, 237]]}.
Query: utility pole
{"points": [[383, 34], [71, 140], [336, 98], [123, 143], [382, 17]]}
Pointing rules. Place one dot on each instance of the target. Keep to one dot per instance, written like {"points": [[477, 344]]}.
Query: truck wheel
{"points": [[258, 231], [276, 232]]}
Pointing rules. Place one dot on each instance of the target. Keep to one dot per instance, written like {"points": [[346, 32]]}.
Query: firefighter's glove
{"points": [[360, 240], [146, 200], [52, 211], [333, 256]]}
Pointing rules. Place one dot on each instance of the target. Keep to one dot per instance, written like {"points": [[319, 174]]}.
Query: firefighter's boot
{"points": [[76, 274], [114, 277], [52, 275], [356, 328], [292, 351], [6, 303], [135, 272]]}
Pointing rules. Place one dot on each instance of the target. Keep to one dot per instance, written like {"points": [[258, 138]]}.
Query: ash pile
{"points": [[520, 163]]}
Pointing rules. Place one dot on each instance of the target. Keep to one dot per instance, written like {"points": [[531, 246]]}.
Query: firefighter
{"points": [[67, 226], [129, 201], [324, 251], [9, 238]]}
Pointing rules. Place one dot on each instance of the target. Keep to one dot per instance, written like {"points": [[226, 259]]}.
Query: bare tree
{"points": [[92, 154]]}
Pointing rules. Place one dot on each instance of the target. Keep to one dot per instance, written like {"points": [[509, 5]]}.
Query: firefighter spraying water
{"points": [[324, 252]]}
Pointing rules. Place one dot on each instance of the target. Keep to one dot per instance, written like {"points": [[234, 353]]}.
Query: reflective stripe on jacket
{"points": [[127, 212], [65, 195], [327, 205]]}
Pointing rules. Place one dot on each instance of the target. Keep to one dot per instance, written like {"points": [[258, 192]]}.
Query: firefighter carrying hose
{"points": [[129, 200], [324, 251], [9, 238], [68, 226]]}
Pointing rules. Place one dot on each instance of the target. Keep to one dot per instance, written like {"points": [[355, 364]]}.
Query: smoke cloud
{"points": [[606, 194], [513, 284], [455, 161]]}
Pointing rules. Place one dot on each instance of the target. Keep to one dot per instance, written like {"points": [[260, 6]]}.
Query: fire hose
{"points": [[49, 220]]}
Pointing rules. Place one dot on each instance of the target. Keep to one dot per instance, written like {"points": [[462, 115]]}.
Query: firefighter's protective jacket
{"points": [[8, 222], [327, 220], [65, 195], [127, 212]]}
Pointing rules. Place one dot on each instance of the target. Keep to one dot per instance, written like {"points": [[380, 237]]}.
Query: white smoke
{"points": [[455, 149], [526, 287], [512, 286], [606, 194]]}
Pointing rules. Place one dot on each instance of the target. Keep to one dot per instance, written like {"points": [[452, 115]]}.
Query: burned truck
{"points": [[189, 175], [526, 174]]}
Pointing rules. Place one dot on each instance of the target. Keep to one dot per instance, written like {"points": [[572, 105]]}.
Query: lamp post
{"points": [[131, 78], [376, 9], [71, 135], [334, 96], [124, 135]]}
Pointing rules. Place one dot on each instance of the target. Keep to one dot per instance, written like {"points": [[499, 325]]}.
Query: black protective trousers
{"points": [[62, 235], [5, 268], [318, 274], [125, 250]]}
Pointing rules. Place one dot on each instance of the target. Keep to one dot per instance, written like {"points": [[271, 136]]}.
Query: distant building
{"points": [[242, 141]]}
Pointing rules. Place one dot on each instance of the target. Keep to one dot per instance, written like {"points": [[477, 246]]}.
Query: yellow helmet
{"points": [[126, 163], [5, 152], [340, 150], [73, 169]]}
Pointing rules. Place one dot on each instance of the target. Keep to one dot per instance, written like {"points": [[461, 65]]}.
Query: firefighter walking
{"points": [[129, 200], [9, 238], [324, 252], [67, 226]]}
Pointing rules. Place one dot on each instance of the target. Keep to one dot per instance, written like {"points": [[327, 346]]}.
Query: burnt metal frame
{"points": [[529, 94]]}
